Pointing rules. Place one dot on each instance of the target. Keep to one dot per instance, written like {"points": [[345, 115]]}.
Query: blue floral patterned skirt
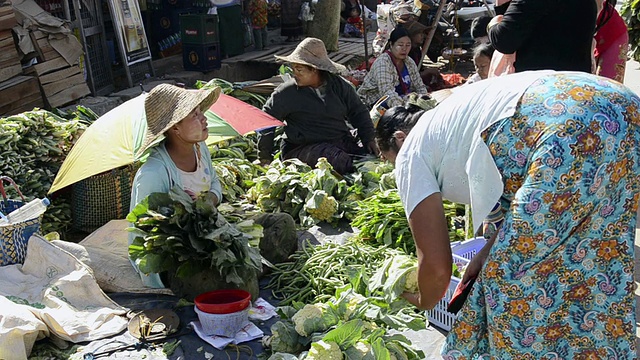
{"points": [[558, 282]]}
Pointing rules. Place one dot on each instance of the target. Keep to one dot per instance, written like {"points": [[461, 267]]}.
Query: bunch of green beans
{"points": [[314, 273]]}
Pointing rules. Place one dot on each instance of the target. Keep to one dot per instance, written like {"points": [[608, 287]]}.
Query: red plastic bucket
{"points": [[223, 301]]}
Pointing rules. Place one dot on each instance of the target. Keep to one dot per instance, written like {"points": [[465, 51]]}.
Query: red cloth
{"points": [[357, 22], [610, 31]]}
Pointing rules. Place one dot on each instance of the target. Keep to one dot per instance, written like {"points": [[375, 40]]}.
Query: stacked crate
{"points": [[18, 93], [61, 83], [200, 42], [163, 24]]}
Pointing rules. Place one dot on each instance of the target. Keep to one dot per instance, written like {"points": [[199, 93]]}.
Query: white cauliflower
{"points": [[324, 350], [359, 351], [323, 164], [313, 318], [354, 302], [363, 348], [321, 206], [411, 281]]}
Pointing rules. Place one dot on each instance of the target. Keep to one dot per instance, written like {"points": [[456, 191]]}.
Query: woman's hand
{"points": [[475, 265], [496, 20], [412, 298], [372, 148], [433, 249]]}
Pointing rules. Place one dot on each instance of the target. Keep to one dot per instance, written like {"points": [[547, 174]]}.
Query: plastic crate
{"points": [[462, 254], [201, 57], [199, 29]]}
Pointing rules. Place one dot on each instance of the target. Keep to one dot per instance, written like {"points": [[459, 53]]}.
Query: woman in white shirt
{"points": [[559, 151]]}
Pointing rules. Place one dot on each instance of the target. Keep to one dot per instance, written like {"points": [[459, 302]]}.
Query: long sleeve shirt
{"points": [[311, 119], [383, 79], [547, 34]]}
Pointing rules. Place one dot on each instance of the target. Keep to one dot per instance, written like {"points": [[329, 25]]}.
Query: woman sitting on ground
{"points": [[182, 157], [320, 109], [394, 74]]}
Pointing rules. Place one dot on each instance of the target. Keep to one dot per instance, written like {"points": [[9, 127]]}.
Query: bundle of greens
{"points": [[244, 147], [178, 234], [231, 89], [314, 273], [370, 177], [381, 220], [34, 144]]}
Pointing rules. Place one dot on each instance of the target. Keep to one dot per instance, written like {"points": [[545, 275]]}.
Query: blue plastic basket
{"points": [[14, 237]]}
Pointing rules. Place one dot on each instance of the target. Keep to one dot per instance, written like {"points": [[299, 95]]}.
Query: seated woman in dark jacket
{"points": [[320, 110]]}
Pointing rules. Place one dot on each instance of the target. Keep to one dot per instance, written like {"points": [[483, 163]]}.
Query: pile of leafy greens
{"points": [[176, 233]]}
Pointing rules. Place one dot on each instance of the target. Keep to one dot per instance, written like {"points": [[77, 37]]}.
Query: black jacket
{"points": [[547, 34], [310, 120]]}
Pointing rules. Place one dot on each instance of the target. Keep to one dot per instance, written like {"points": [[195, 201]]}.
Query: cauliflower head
{"points": [[321, 206], [284, 338], [411, 281], [360, 351], [323, 164], [355, 301], [324, 350], [314, 318]]}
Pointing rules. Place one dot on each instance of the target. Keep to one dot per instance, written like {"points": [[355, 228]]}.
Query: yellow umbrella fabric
{"points": [[112, 140]]}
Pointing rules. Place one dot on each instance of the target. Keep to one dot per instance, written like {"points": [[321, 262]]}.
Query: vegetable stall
{"points": [[336, 301]]}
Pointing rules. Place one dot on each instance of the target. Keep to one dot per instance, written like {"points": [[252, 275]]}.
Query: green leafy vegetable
{"points": [[176, 233]]}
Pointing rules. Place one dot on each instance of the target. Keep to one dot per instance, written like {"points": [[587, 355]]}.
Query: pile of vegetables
{"points": [[345, 327], [177, 233], [34, 144], [234, 90], [308, 195], [354, 322], [232, 161], [382, 220], [316, 271]]}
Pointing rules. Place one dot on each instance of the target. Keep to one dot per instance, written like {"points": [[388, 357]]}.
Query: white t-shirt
{"points": [[197, 181], [445, 153]]}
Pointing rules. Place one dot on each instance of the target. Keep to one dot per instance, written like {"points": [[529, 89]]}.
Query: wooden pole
{"points": [[364, 35], [491, 13], [432, 31]]}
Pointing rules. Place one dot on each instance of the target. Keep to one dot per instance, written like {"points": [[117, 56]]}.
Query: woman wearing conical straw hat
{"points": [[178, 155], [319, 109]]}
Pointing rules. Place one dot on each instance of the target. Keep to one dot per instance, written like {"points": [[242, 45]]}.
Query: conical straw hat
{"points": [[167, 105], [311, 52]]}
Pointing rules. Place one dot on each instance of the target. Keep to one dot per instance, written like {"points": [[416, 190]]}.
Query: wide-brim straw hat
{"points": [[312, 52], [415, 27], [167, 105]]}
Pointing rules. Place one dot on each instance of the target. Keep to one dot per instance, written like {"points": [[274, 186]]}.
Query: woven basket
{"points": [[101, 198], [14, 237]]}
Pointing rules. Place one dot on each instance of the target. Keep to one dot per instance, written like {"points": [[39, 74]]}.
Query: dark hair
{"points": [[479, 26], [485, 49], [608, 9], [398, 33], [397, 118]]}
